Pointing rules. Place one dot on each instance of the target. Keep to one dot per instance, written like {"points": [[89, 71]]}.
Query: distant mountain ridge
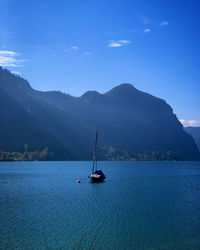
{"points": [[129, 121]]}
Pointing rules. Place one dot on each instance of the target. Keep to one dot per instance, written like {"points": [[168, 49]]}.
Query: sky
{"points": [[75, 45]]}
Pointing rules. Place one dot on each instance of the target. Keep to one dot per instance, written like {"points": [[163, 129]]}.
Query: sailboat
{"points": [[96, 175]]}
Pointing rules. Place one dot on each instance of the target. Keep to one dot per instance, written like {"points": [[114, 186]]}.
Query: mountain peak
{"points": [[90, 94], [127, 86], [122, 89], [16, 80]]}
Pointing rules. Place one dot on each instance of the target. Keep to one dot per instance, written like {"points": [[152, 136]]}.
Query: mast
{"points": [[94, 165], [96, 147]]}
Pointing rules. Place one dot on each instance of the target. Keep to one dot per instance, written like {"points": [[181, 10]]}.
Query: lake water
{"points": [[141, 205]]}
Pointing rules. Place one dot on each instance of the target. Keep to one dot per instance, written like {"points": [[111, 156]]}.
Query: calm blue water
{"points": [[142, 205]]}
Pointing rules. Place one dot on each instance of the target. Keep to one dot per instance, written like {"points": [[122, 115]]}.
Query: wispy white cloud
{"points": [[9, 58], [114, 44], [7, 53], [74, 47], [192, 123], [151, 21], [146, 20], [124, 42], [71, 48], [118, 43], [164, 23], [147, 30]]}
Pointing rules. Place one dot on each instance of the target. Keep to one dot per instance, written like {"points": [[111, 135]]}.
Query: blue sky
{"points": [[77, 45]]}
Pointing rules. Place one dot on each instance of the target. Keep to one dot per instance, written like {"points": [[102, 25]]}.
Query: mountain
{"points": [[18, 127], [130, 122], [195, 132]]}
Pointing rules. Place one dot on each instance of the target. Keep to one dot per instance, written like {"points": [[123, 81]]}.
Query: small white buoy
{"points": [[78, 181]]}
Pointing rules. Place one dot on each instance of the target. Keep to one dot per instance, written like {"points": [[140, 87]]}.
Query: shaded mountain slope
{"points": [[128, 119], [19, 128], [45, 117], [195, 132]]}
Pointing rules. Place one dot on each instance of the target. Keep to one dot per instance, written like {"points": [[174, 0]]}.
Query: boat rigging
{"points": [[96, 175]]}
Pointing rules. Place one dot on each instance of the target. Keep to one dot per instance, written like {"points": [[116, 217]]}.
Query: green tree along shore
{"points": [[43, 155], [111, 155]]}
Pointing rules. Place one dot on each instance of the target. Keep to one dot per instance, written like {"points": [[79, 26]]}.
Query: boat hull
{"points": [[97, 176], [100, 179]]}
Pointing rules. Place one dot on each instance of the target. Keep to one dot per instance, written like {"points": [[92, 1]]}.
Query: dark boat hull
{"points": [[97, 176], [100, 179]]}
